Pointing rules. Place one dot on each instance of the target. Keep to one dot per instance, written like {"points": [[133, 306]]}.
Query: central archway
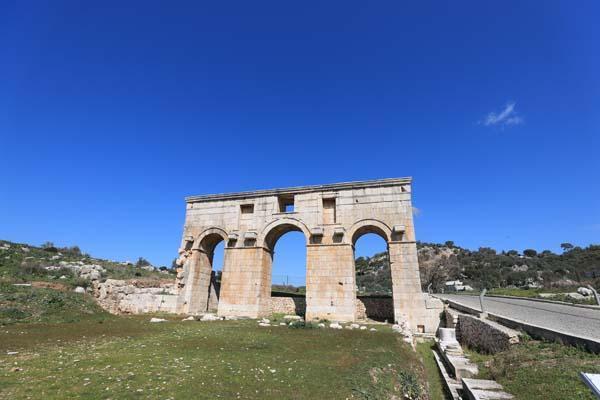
{"points": [[372, 269], [286, 246]]}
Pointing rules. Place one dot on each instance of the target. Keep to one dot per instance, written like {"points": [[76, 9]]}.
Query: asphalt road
{"points": [[576, 321]]}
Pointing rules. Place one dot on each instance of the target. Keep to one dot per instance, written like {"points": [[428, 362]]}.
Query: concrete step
{"points": [[453, 387], [458, 365], [483, 389]]}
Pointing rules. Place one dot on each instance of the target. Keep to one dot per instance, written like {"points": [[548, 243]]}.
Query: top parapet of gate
{"points": [[404, 183]]}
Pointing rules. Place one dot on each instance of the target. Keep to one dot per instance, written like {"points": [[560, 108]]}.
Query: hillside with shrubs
{"points": [[67, 266], [487, 268]]}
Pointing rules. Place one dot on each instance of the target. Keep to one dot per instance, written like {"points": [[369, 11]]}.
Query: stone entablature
{"points": [[331, 217]]}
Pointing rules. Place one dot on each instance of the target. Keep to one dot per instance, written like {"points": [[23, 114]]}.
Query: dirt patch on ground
{"points": [[50, 285]]}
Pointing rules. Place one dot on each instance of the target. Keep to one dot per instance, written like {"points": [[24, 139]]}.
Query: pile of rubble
{"points": [[131, 297], [91, 272]]}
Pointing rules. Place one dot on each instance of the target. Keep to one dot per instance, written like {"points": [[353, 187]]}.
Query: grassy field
{"points": [[536, 370], [68, 348]]}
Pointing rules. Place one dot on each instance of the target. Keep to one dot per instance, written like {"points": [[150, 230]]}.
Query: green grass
{"points": [[123, 358], [536, 370], [435, 380], [29, 304]]}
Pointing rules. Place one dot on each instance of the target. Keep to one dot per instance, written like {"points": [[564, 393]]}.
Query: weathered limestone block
{"points": [[246, 283], [330, 291], [123, 297]]}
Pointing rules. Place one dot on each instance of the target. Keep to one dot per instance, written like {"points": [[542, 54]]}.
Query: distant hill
{"points": [[486, 268]]}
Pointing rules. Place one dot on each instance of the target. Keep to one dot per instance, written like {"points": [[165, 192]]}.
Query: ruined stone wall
{"points": [[484, 335], [288, 305], [129, 297], [377, 308]]}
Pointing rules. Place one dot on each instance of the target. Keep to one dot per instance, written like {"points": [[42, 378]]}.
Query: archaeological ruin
{"points": [[331, 218]]}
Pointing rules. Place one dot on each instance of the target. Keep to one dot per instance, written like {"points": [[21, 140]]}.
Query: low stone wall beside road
{"points": [[484, 335]]}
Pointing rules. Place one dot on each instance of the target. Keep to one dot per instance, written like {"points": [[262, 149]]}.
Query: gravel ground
{"points": [[573, 320]]}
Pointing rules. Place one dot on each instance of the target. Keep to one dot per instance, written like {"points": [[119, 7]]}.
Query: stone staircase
{"points": [[459, 372]]}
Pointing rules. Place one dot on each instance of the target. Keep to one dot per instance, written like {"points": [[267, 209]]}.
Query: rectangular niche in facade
{"points": [[329, 211], [247, 208], [286, 203]]}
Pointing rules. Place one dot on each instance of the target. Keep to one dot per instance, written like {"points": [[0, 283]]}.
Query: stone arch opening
{"points": [[374, 299], [208, 256], [286, 247]]}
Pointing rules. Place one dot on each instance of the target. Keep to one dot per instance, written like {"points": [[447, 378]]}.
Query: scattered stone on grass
{"points": [[210, 317]]}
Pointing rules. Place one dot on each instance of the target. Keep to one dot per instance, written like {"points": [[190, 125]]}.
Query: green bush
{"points": [[12, 314], [411, 388]]}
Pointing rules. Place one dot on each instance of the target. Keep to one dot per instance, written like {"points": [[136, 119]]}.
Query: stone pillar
{"points": [[246, 282], [409, 302], [197, 270], [213, 294], [330, 282]]}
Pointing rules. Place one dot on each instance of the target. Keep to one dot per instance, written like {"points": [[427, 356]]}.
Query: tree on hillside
{"points": [[142, 262], [487, 251], [49, 246], [566, 246], [529, 253]]}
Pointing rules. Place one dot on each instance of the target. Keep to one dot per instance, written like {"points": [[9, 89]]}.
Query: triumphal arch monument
{"points": [[331, 217]]}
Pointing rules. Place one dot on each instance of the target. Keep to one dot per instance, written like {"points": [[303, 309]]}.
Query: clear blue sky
{"points": [[111, 114]]}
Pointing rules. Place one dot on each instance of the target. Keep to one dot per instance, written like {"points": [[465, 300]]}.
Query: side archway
{"points": [[203, 282], [209, 238], [365, 226]]}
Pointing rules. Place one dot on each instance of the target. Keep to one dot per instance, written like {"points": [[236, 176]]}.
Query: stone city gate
{"points": [[331, 218]]}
